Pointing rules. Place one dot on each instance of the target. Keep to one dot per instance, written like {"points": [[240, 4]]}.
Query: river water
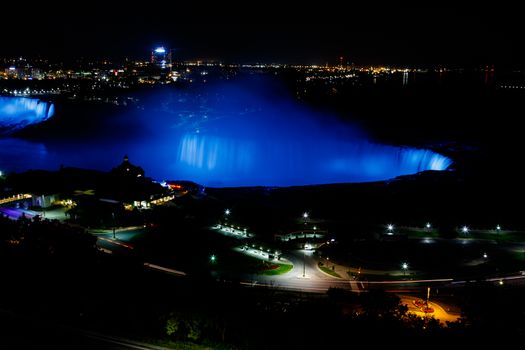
{"points": [[224, 135]]}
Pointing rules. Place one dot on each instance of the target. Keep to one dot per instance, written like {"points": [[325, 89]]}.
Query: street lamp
{"points": [[498, 228], [464, 229], [428, 226], [305, 217], [390, 229], [404, 266], [213, 258], [304, 261], [226, 214], [113, 215]]}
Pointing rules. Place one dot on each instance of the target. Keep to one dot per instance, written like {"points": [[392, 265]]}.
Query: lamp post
{"points": [[114, 223], [305, 217], [404, 266], [225, 223], [304, 261]]}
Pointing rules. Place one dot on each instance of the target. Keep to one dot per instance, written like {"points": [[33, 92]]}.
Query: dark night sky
{"points": [[271, 32]]}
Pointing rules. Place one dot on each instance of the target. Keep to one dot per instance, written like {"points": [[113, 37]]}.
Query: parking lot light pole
{"points": [[304, 262], [404, 266], [114, 223]]}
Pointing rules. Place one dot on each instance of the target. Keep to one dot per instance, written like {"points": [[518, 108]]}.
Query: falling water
{"points": [[233, 134], [19, 112]]}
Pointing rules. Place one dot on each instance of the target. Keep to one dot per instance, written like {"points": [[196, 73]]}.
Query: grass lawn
{"points": [[279, 270], [420, 233], [184, 345], [235, 262], [328, 271], [509, 236], [520, 256]]}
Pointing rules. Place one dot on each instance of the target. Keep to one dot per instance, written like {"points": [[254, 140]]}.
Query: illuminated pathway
{"points": [[14, 198], [439, 311]]}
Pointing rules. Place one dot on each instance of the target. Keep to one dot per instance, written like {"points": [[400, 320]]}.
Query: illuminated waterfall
{"points": [[220, 161], [234, 134], [19, 112]]}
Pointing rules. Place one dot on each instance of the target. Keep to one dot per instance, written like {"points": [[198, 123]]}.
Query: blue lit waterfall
{"points": [[19, 112], [238, 133], [276, 158]]}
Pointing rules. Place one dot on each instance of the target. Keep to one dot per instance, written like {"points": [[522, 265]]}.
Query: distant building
{"points": [[36, 73], [12, 72], [184, 187], [127, 169], [161, 57]]}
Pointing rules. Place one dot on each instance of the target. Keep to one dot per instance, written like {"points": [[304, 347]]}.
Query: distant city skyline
{"points": [[269, 33]]}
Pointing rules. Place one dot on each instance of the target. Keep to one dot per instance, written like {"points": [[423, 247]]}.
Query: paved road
{"points": [[16, 213], [120, 243], [304, 276], [315, 280]]}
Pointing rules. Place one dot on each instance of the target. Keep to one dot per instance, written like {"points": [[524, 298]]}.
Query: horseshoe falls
{"points": [[225, 135]]}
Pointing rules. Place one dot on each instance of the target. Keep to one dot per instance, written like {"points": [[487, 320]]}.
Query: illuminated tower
{"points": [[161, 57]]}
